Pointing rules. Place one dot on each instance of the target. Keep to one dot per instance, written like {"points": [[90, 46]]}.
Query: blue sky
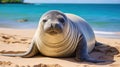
{"points": [[72, 1]]}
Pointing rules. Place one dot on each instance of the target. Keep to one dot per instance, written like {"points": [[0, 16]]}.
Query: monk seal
{"points": [[62, 35]]}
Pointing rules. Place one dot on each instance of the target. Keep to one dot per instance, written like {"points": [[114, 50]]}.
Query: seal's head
{"points": [[53, 22]]}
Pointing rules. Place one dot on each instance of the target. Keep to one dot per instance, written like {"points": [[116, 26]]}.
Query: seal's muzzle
{"points": [[53, 28]]}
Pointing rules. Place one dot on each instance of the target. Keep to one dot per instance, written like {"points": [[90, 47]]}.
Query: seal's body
{"points": [[62, 35], [68, 40]]}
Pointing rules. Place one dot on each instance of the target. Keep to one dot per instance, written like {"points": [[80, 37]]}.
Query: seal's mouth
{"points": [[53, 32]]}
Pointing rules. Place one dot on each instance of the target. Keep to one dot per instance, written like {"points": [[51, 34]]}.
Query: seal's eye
{"points": [[61, 20], [45, 20]]}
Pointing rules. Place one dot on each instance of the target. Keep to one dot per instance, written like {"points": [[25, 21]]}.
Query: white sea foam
{"points": [[104, 32], [107, 34]]}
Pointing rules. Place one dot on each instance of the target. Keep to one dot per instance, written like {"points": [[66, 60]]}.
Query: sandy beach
{"points": [[18, 40]]}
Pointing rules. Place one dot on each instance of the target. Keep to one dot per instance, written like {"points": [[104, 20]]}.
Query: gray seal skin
{"points": [[62, 35]]}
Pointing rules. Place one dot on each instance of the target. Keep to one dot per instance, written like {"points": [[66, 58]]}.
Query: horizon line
{"points": [[70, 3]]}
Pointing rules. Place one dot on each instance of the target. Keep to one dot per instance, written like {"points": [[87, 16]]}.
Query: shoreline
{"points": [[18, 40], [105, 34], [102, 34]]}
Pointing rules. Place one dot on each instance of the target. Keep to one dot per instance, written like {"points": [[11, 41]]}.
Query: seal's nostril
{"points": [[52, 26], [56, 25]]}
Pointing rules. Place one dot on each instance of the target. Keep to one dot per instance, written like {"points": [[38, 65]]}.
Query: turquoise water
{"points": [[102, 17]]}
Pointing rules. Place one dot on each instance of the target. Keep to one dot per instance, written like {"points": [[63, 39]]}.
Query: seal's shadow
{"points": [[101, 52]]}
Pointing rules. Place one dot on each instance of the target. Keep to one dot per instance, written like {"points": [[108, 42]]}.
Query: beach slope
{"points": [[18, 40]]}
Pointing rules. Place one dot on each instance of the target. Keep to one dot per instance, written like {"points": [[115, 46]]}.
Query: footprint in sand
{"points": [[47, 65], [11, 52], [14, 39], [5, 63], [39, 65]]}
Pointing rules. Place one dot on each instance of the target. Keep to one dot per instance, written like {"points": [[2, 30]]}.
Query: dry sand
{"points": [[18, 40]]}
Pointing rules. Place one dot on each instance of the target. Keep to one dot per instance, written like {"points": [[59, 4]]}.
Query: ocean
{"points": [[103, 18]]}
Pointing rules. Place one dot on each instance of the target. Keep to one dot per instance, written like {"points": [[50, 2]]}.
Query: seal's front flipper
{"points": [[31, 51], [82, 54]]}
